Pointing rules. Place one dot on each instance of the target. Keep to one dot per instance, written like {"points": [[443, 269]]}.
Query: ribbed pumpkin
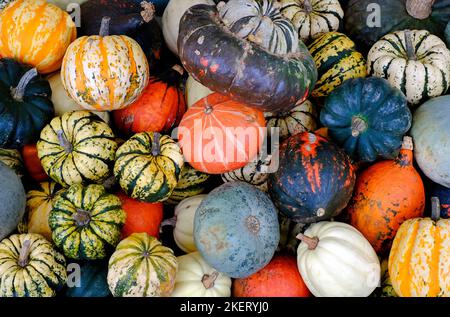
{"points": [[30, 267], [314, 181], [213, 134], [104, 72], [312, 18], [86, 222], [416, 62], [142, 267], [443, 193], [386, 194], [194, 91], [26, 106], [37, 33], [337, 60], [33, 164], [191, 183], [419, 258], [13, 160], [160, 107], [93, 281], [148, 166], [368, 118]]}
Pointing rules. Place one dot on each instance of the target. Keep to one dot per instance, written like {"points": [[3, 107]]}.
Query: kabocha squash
{"points": [[13, 200], [13, 160], [142, 267], [77, 147], [386, 194], [335, 260], [368, 118], [93, 281], [337, 61], [301, 118], [218, 135], [279, 278], [421, 241], [416, 62], [191, 183], [86, 222], [236, 229], [103, 72], [431, 133], [366, 21], [194, 91], [37, 33], [160, 107], [443, 194], [26, 106], [30, 267], [314, 180], [33, 164], [148, 166], [312, 18], [195, 278], [241, 71]]}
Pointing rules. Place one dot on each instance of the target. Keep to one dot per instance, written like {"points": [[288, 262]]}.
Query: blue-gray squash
{"points": [[236, 229]]}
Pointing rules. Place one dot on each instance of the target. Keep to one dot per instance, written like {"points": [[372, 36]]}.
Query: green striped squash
{"points": [[30, 267], [12, 159], [86, 222], [191, 183], [142, 267], [77, 147], [148, 166], [414, 61], [336, 60]]}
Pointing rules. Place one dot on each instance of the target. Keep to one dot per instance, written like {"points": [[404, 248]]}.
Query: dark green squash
{"points": [[93, 280], [368, 118], [25, 104], [314, 181], [447, 34]]}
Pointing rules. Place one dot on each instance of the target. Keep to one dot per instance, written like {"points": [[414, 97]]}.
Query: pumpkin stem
{"points": [[178, 69], [435, 208], [169, 222], [252, 224], [149, 11], [409, 46], [19, 91], [408, 143], [208, 280], [419, 9], [82, 217], [156, 146], [310, 242], [64, 142], [359, 125], [208, 109], [308, 6], [104, 26], [24, 253]]}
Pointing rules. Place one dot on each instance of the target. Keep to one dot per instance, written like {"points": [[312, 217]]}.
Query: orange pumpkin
{"points": [[141, 216], [219, 135], [280, 278], [160, 107], [387, 194], [33, 164]]}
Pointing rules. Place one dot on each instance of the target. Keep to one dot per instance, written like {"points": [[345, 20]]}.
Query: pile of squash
{"points": [[117, 119]]}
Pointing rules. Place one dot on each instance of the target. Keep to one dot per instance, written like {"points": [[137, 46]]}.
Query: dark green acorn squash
{"points": [[25, 104], [314, 181], [368, 118], [93, 281]]}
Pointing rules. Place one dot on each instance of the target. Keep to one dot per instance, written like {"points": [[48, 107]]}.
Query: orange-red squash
{"points": [[33, 164]]}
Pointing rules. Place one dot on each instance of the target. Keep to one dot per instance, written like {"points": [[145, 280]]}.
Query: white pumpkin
{"points": [[335, 260], [195, 278], [195, 91], [171, 20], [63, 103]]}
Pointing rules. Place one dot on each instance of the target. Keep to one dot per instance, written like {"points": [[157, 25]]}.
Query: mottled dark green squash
{"points": [[93, 280]]}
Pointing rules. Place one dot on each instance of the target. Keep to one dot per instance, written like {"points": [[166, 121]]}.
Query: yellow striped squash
{"points": [[102, 72], [86, 221], [148, 166], [77, 147], [142, 267], [37, 33], [12, 159], [336, 60], [191, 183], [30, 267]]}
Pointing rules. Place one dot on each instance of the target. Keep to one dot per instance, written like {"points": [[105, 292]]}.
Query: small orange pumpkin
{"points": [[33, 164]]}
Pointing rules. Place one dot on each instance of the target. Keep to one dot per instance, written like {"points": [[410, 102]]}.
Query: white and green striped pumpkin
{"points": [[86, 221], [148, 166], [191, 183], [77, 147], [12, 159], [142, 267], [30, 267], [313, 18], [301, 118], [261, 22], [414, 61]]}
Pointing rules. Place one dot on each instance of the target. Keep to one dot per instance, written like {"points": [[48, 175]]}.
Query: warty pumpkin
{"points": [[191, 183], [86, 221], [30, 267], [13, 160]]}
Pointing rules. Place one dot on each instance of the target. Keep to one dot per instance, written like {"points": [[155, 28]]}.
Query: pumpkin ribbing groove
{"points": [[19, 91]]}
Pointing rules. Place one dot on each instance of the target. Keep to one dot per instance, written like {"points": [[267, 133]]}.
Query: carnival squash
{"points": [[191, 183], [13, 160]]}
